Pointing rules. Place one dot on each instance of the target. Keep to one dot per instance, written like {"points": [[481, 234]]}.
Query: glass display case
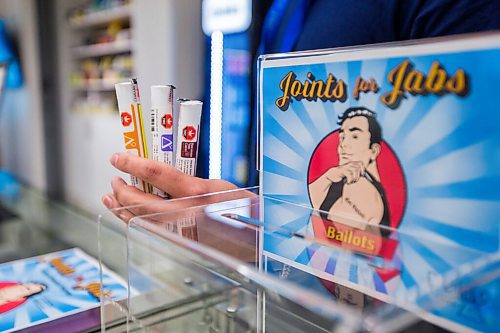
{"points": [[34, 230], [201, 265]]}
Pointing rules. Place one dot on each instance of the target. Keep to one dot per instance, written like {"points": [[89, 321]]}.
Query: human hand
{"points": [[164, 177], [350, 171]]}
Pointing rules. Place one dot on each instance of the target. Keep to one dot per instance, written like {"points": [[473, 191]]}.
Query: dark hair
{"points": [[373, 125]]}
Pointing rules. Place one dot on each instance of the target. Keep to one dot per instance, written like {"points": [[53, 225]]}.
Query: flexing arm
{"points": [[360, 206], [349, 172]]}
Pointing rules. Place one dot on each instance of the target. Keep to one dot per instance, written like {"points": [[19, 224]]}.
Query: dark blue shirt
{"points": [[337, 23]]}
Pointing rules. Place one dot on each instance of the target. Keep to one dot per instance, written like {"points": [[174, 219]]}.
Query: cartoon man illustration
{"points": [[13, 294], [351, 192]]}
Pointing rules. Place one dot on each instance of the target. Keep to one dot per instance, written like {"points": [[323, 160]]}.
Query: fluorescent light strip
{"points": [[216, 66]]}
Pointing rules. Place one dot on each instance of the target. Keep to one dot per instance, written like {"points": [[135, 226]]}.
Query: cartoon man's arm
{"points": [[363, 203], [349, 173]]}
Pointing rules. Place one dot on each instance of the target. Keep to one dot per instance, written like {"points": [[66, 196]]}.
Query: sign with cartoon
{"points": [[395, 150], [48, 287]]}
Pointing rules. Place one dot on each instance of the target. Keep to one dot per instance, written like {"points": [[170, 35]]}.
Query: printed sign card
{"points": [[48, 287], [397, 148]]}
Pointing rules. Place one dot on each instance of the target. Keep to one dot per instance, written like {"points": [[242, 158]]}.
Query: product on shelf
{"points": [[102, 73], [102, 54], [80, 13], [95, 103]]}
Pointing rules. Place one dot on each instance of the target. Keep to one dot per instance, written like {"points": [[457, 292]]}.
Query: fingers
{"points": [[167, 178], [357, 170], [134, 199], [139, 203], [126, 214], [353, 171], [110, 202]]}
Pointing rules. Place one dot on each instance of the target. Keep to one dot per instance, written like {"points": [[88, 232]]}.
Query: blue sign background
{"points": [[449, 150]]}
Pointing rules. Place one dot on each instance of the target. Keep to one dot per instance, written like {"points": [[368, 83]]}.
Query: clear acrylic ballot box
{"points": [[204, 264]]}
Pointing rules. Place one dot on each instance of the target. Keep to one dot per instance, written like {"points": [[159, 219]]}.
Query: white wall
{"points": [[168, 46], [21, 120]]}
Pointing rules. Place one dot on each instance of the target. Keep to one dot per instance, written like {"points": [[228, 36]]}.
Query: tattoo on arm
{"points": [[356, 209]]}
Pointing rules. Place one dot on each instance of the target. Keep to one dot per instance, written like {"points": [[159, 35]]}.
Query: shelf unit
{"points": [[102, 17], [97, 50], [91, 134], [97, 85], [102, 56]]}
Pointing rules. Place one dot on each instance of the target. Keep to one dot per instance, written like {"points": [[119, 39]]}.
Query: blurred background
{"points": [[60, 59]]}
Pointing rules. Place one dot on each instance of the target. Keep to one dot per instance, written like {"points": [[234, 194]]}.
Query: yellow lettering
{"points": [[61, 267], [311, 90], [338, 91], [317, 89], [373, 85], [284, 101], [330, 82], [296, 90], [436, 79], [364, 86], [413, 83], [406, 79], [363, 242], [306, 91], [94, 289], [396, 77], [357, 87], [330, 232], [457, 84]]}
